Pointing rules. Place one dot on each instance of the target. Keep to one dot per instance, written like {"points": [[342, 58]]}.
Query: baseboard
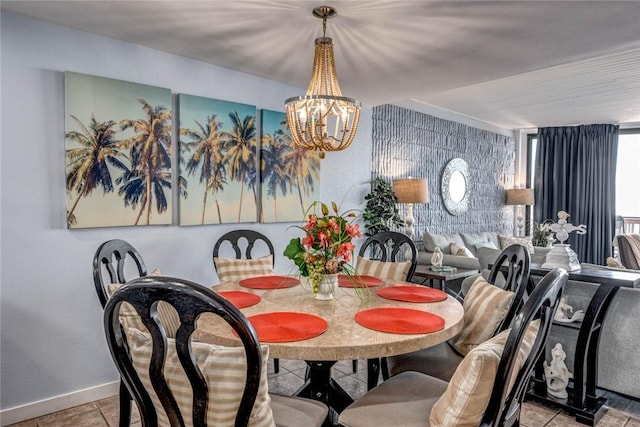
{"points": [[58, 403]]}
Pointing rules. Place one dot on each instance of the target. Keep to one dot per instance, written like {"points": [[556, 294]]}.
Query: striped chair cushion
{"points": [[484, 308], [230, 270], [468, 392], [225, 371], [382, 269], [130, 319]]}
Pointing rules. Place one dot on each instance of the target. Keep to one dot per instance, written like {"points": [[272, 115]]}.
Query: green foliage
{"points": [[380, 213], [541, 234], [295, 252]]}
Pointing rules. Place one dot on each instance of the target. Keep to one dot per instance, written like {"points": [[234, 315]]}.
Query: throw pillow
{"points": [[129, 317], [224, 369], [232, 270], [484, 308], [612, 262], [472, 239], [487, 244], [506, 241], [456, 249], [441, 240], [468, 393], [382, 269]]}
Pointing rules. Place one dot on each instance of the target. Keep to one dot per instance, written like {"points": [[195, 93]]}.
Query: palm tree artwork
{"points": [[150, 157], [218, 156], [204, 152], [126, 154], [290, 176]]}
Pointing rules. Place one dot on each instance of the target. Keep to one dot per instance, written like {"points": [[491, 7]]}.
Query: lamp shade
{"points": [[520, 196], [411, 190]]}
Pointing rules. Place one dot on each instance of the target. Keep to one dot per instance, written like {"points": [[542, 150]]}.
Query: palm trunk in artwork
{"points": [[148, 201], [204, 205], [275, 207], [300, 194], [139, 214], [73, 208], [218, 208], [241, 193]]}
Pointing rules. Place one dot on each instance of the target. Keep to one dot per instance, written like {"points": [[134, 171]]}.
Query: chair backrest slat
{"points": [[504, 403], [518, 263]]}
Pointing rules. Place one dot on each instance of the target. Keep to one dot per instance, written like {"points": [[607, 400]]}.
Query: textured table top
{"points": [[344, 339]]}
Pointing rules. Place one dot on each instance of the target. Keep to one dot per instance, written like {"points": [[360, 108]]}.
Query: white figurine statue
{"points": [[556, 373], [565, 313], [561, 255], [562, 228], [436, 258]]}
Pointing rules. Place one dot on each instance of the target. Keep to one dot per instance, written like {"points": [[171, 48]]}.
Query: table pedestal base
{"points": [[320, 386]]}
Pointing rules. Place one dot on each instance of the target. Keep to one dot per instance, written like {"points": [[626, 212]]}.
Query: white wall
{"points": [[52, 339]]}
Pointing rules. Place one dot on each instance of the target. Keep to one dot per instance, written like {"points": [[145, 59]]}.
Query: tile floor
{"points": [[104, 413]]}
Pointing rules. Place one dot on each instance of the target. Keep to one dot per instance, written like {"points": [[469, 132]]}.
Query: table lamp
{"points": [[410, 191], [520, 197]]}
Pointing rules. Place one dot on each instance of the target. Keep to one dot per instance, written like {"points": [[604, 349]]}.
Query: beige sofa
{"points": [[484, 246]]}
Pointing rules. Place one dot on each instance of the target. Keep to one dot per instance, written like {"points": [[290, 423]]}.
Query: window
{"points": [[627, 175]]}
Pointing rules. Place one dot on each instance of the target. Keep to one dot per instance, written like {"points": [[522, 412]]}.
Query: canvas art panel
{"points": [[118, 152], [218, 161], [290, 176]]}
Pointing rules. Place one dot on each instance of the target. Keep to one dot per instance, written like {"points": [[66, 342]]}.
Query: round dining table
{"points": [[344, 338]]}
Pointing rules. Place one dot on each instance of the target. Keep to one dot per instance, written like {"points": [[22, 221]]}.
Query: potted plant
{"points": [[381, 213], [541, 234]]}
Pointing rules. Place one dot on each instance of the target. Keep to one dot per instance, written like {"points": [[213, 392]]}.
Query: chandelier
{"points": [[323, 119]]}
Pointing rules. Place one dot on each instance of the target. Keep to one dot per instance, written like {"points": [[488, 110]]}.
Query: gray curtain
{"points": [[575, 171]]}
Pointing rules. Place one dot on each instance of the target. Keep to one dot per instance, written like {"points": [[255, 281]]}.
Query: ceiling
{"points": [[512, 64]]}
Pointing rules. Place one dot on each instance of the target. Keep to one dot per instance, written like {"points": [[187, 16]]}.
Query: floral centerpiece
{"points": [[326, 247]]}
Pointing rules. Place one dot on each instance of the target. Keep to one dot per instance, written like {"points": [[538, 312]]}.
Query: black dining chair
{"points": [[215, 376], [495, 376], [236, 238], [243, 243], [387, 246], [441, 361], [391, 246], [113, 257]]}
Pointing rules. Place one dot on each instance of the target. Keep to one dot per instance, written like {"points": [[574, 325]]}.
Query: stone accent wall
{"points": [[407, 143]]}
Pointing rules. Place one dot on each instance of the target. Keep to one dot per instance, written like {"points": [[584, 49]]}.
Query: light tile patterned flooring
{"points": [[104, 413]]}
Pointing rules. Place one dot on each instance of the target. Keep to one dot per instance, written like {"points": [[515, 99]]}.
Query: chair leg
{"points": [[355, 366], [384, 367], [125, 406], [276, 365]]}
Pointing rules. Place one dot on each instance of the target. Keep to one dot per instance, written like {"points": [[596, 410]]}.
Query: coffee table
{"points": [[441, 277]]}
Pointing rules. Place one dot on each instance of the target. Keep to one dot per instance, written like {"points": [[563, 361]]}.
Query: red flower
{"points": [[312, 222], [353, 230], [308, 240]]}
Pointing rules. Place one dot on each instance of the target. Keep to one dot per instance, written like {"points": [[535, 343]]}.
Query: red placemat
{"points": [[400, 320], [345, 281], [269, 282], [241, 299], [286, 326], [412, 293]]}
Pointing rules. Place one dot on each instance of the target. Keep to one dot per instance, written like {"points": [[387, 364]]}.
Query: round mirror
{"points": [[457, 187], [454, 186]]}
